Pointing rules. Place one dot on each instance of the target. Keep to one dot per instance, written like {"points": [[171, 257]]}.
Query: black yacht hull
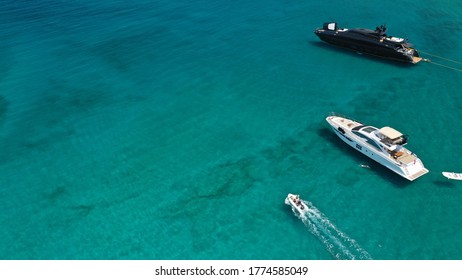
{"points": [[371, 43]]}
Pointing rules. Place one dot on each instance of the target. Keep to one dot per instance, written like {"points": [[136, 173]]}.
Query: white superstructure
{"points": [[385, 145]]}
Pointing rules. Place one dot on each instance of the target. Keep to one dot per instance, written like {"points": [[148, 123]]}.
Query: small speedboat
{"points": [[452, 175], [296, 203]]}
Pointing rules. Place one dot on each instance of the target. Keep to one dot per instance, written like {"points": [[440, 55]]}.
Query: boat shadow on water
{"points": [[375, 167], [330, 49], [444, 183]]}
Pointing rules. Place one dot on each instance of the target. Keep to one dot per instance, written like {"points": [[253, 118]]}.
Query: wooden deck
{"points": [[418, 174], [416, 59], [407, 158]]}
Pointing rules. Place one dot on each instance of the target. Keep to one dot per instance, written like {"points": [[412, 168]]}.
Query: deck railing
{"points": [[343, 116]]}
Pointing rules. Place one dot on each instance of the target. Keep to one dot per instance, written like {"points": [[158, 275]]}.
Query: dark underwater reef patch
{"points": [[441, 34], [56, 193], [50, 118], [230, 181], [235, 177], [387, 97], [227, 179], [129, 53]]}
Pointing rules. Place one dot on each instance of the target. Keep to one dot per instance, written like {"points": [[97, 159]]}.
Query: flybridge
{"points": [[390, 132], [392, 136]]}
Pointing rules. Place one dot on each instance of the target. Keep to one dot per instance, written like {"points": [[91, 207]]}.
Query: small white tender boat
{"points": [[452, 175], [296, 203]]}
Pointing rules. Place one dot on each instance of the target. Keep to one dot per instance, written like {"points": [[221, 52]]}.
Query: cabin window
{"points": [[369, 129], [367, 139], [372, 142]]}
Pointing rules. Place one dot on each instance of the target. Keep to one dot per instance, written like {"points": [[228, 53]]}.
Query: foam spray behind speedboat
{"points": [[337, 243]]}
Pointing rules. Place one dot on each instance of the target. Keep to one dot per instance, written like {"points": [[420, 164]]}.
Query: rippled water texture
{"points": [[175, 130]]}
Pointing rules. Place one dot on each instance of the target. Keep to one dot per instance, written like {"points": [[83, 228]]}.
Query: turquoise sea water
{"points": [[175, 130]]}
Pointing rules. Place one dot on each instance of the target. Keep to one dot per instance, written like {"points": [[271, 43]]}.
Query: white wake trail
{"points": [[337, 243]]}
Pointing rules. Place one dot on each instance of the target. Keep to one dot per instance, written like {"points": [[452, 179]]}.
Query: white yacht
{"points": [[296, 203], [385, 145]]}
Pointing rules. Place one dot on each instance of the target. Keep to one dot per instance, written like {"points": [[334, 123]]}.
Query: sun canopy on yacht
{"points": [[390, 133]]}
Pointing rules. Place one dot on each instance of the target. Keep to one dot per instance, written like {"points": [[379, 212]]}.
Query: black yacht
{"points": [[373, 42]]}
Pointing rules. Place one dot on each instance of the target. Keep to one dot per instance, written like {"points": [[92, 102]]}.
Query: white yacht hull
{"points": [[410, 171]]}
